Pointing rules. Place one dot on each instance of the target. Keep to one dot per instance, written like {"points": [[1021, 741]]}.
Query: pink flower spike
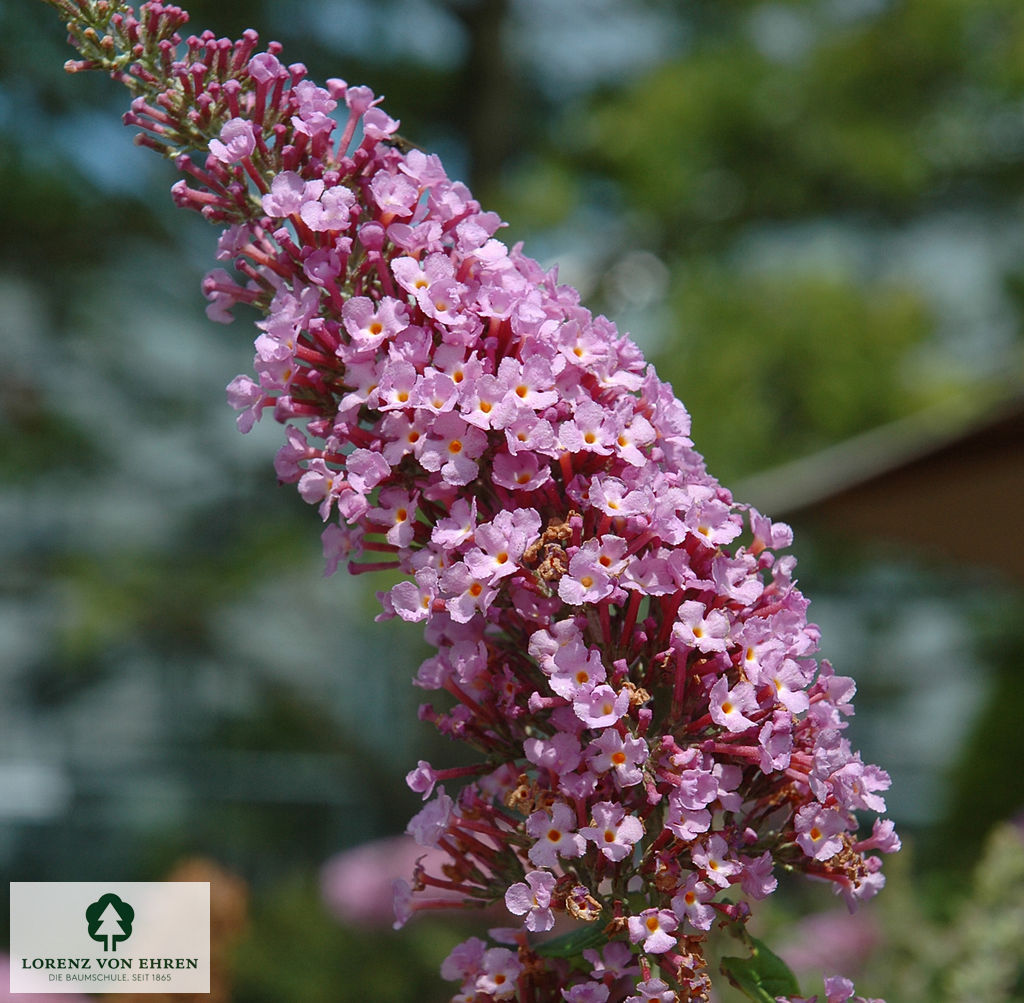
{"points": [[638, 680]]}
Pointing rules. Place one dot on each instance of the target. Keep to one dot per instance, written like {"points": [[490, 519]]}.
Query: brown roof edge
{"points": [[935, 435]]}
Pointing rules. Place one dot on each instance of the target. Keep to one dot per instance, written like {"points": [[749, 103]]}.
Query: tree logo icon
{"points": [[110, 920]]}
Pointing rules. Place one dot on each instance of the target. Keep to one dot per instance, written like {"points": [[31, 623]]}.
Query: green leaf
{"points": [[573, 942], [762, 976]]}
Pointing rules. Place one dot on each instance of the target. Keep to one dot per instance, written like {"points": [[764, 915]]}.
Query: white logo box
{"points": [[110, 936]]}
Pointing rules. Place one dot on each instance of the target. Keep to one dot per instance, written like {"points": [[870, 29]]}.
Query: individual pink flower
{"points": [[622, 755], [819, 831], [613, 831], [839, 990], [729, 705], [883, 837], [691, 903], [520, 472], [501, 543], [555, 835], [587, 580], [697, 627], [396, 510], [428, 825], [465, 960], [586, 992], [655, 927], [614, 961], [532, 898], [288, 191], [590, 430], [560, 753], [577, 670], [331, 211], [600, 706], [712, 857], [369, 324], [499, 970], [422, 779], [653, 989], [468, 595], [452, 448], [757, 879], [236, 141]]}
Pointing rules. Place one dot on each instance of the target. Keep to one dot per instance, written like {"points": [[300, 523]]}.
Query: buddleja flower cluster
{"points": [[617, 638]]}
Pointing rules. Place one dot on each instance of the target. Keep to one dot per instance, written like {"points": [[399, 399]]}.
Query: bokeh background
{"points": [[809, 214]]}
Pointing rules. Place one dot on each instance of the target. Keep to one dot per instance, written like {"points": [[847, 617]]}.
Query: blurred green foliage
{"points": [[779, 364], [295, 951], [898, 948]]}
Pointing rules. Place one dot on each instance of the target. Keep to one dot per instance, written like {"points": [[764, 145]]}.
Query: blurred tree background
{"points": [[810, 215]]}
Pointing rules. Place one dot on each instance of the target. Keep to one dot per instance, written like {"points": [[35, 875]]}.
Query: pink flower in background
{"points": [[6, 996], [357, 885], [826, 941]]}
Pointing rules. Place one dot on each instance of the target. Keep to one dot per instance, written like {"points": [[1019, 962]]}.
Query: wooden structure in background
{"points": [[945, 486]]}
